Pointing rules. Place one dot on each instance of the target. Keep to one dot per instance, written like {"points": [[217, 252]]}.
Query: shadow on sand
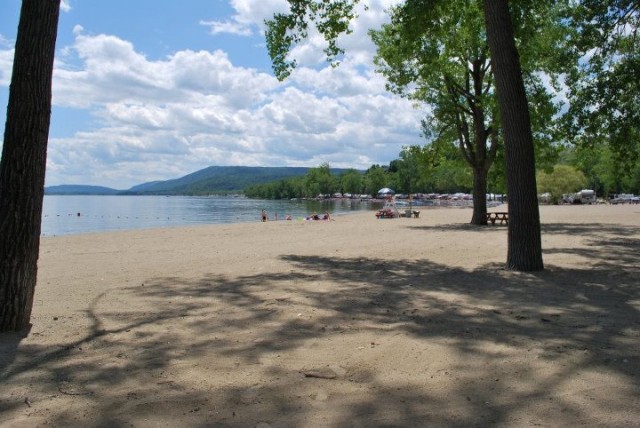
{"points": [[583, 319]]}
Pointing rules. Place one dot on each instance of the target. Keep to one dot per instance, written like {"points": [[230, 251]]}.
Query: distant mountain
{"points": [[80, 189], [144, 186], [217, 179], [211, 180]]}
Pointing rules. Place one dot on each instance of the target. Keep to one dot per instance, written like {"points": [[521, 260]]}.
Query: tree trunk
{"points": [[479, 196], [22, 169], [524, 243]]}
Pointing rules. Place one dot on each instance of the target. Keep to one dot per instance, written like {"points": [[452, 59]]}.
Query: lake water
{"points": [[71, 214]]}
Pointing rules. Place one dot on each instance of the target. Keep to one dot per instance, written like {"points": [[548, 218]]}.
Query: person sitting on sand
{"points": [[288, 217], [326, 216]]}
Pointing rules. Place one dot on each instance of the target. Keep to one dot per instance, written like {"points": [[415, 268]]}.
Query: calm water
{"points": [[106, 213]]}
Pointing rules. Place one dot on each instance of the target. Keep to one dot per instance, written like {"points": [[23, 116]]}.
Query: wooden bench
{"points": [[495, 216]]}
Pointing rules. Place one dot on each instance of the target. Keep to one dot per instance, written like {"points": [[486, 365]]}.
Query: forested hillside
{"points": [[217, 179], [79, 189], [211, 180]]}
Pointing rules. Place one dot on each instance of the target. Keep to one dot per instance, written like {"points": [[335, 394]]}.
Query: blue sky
{"points": [[156, 89]]}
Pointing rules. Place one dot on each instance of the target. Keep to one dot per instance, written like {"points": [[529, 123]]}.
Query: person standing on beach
{"points": [[264, 216]]}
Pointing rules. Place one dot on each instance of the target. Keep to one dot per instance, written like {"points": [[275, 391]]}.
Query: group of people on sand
{"points": [[314, 216], [265, 216]]}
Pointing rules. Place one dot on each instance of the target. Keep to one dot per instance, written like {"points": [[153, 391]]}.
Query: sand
{"points": [[355, 322]]}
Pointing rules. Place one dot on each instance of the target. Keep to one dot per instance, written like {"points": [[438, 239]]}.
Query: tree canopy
{"points": [[562, 180], [441, 58], [604, 89], [285, 30], [332, 18]]}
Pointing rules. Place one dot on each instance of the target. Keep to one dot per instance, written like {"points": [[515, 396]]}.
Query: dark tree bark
{"points": [[524, 243], [24, 153], [479, 216], [473, 136]]}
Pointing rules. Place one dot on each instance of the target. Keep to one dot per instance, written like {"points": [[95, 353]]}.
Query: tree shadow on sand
{"points": [[131, 367]]}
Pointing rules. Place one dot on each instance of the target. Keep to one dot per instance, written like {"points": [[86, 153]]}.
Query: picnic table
{"points": [[386, 213], [503, 217]]}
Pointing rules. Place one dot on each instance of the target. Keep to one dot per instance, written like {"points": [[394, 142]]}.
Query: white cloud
{"points": [[358, 46], [230, 27], [250, 16], [112, 71], [4, 42], [251, 12], [157, 119], [6, 65], [65, 5]]}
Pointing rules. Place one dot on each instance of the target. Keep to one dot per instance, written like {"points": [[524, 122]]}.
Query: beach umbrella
{"points": [[386, 191]]}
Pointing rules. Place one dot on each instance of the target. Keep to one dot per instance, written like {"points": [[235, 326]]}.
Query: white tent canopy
{"points": [[386, 191]]}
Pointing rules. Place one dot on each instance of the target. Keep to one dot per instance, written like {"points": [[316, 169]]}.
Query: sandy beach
{"points": [[354, 322]]}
